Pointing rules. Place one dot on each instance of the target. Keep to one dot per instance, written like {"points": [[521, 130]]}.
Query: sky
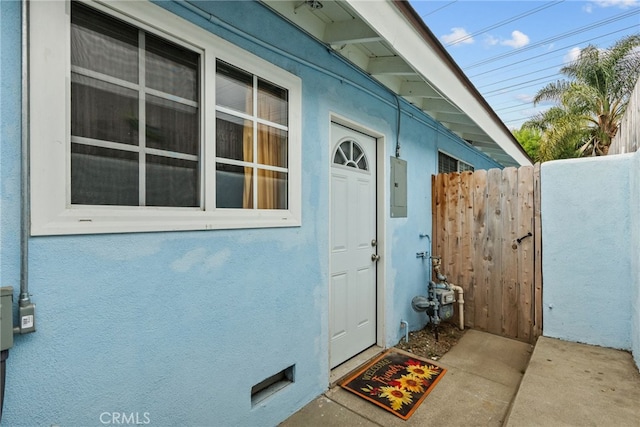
{"points": [[511, 49]]}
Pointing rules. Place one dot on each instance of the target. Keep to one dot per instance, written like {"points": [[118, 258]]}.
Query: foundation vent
{"points": [[271, 385]]}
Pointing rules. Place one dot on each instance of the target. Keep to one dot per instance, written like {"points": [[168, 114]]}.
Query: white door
{"points": [[352, 290]]}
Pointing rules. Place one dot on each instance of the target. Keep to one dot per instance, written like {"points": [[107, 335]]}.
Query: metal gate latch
{"points": [[524, 237]]}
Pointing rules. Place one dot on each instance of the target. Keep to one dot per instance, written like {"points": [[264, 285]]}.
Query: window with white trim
{"points": [[172, 129], [447, 164], [134, 115], [251, 141]]}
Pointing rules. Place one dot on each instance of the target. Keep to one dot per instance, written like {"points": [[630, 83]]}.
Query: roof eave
{"points": [[436, 66]]}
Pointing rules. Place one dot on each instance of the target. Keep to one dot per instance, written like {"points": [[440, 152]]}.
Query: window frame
{"points": [[458, 163], [50, 128]]}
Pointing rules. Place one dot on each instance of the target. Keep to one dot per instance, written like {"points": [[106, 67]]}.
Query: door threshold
{"points": [[341, 371]]}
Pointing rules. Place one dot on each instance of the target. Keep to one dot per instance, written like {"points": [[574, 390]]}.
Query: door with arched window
{"points": [[352, 292]]}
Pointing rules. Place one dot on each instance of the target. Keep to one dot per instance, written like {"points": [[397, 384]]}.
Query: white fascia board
{"points": [[388, 21]]}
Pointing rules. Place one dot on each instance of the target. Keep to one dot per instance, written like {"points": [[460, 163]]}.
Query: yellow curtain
{"points": [[247, 152], [269, 153]]}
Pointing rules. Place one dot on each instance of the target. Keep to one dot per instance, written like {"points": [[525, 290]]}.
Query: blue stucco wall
{"points": [[10, 147], [635, 257], [587, 246], [177, 327]]}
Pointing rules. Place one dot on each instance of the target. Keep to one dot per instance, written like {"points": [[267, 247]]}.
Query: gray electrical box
{"points": [[6, 318], [398, 188]]}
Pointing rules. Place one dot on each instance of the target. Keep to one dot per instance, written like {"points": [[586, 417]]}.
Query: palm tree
{"points": [[590, 104]]}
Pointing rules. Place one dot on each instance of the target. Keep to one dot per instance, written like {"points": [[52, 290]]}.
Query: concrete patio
{"points": [[495, 381]]}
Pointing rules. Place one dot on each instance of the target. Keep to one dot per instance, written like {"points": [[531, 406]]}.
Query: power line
{"points": [[520, 107], [505, 102], [507, 87], [520, 76], [554, 38], [556, 66], [521, 84], [440, 8], [551, 51], [519, 120], [506, 21]]}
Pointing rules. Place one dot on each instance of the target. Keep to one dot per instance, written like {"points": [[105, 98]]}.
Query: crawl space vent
{"points": [[272, 385]]}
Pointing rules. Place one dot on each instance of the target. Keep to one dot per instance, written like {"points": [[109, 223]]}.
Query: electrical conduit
{"points": [[404, 324]]}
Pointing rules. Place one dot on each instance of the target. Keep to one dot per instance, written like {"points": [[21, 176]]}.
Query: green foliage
{"points": [[590, 104], [529, 139]]}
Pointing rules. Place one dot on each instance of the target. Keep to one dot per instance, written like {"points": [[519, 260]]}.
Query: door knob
{"points": [[375, 257]]}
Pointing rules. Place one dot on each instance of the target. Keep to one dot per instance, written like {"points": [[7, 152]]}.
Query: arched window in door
{"points": [[349, 153]]}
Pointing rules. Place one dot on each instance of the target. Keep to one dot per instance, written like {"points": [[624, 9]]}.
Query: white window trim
{"points": [[50, 112]]}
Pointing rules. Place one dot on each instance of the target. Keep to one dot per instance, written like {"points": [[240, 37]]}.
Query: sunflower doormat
{"points": [[395, 381]]}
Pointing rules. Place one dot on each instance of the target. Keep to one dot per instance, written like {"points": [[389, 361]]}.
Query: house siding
{"points": [[177, 327]]}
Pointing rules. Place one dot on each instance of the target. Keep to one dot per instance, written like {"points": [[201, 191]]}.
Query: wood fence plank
{"points": [[525, 253], [509, 254], [467, 256], [480, 293], [458, 265], [439, 242], [538, 255], [493, 250], [450, 256], [435, 225]]}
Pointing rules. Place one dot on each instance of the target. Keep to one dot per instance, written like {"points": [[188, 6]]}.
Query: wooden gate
{"points": [[486, 229]]}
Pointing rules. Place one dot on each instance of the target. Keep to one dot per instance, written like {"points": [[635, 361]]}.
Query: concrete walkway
{"points": [[570, 384], [483, 375], [566, 384]]}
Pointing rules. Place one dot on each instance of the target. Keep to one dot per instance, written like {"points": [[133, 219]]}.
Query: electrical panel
{"points": [[6, 318], [398, 188]]}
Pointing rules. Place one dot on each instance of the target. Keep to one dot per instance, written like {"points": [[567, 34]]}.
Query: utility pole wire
{"points": [[552, 51], [554, 38], [556, 66], [501, 68], [440, 8], [520, 86], [507, 21]]}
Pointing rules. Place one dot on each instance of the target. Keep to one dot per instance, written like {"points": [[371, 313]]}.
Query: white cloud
{"points": [[456, 34], [572, 55], [622, 4], [490, 40], [518, 39], [524, 97]]}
